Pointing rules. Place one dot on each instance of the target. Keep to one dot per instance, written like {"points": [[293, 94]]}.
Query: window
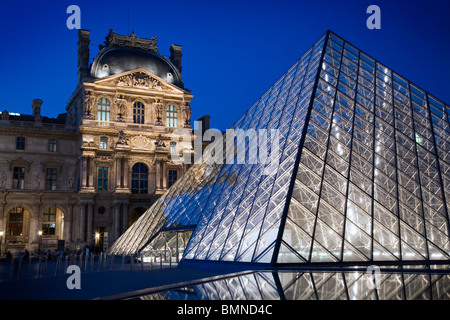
{"points": [[173, 147], [49, 221], [102, 181], [173, 176], [20, 143], [52, 145], [15, 226], [19, 178], [50, 179], [103, 143], [139, 179], [171, 116], [138, 112], [103, 109]]}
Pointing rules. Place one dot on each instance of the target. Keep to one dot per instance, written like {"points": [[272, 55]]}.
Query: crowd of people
{"points": [[51, 255]]}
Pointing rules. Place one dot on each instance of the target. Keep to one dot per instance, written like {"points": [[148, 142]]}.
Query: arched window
{"points": [[139, 179], [135, 215], [138, 112], [15, 226], [171, 117], [103, 109]]}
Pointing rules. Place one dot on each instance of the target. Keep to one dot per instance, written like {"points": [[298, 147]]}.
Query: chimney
{"points": [[205, 123], [175, 55], [36, 106], [83, 54]]}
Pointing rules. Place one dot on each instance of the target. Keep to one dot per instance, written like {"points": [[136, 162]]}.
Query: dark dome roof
{"points": [[115, 60]]}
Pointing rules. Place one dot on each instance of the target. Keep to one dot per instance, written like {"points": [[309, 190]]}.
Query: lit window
{"points": [[52, 145], [15, 226], [139, 179], [19, 178], [103, 109], [50, 179], [49, 221], [171, 116], [102, 180], [138, 112], [173, 176], [173, 147], [419, 139], [20, 143], [103, 143]]}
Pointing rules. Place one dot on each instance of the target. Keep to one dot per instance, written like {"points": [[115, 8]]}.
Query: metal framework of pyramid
{"points": [[363, 174]]}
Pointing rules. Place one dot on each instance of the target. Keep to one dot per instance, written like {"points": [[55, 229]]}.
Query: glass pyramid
{"points": [[363, 174]]}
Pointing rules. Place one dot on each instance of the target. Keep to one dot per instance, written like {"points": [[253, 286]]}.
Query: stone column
{"points": [[3, 217], [158, 175], [117, 220], [2, 226], [83, 172], [90, 223], [126, 174], [118, 173], [82, 221], [68, 223], [164, 174], [125, 215], [35, 222], [91, 172]]}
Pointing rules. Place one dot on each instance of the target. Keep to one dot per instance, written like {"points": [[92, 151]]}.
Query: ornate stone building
{"points": [[87, 175]]}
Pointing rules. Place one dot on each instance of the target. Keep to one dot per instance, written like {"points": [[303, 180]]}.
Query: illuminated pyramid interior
{"points": [[363, 175]]}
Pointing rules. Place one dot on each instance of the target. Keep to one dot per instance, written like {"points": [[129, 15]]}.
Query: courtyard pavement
{"points": [[121, 278]]}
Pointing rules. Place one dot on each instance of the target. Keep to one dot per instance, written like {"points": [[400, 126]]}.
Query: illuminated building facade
{"points": [[363, 175], [87, 175]]}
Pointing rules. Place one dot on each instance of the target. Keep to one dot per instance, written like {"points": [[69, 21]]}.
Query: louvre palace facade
{"points": [[87, 175]]}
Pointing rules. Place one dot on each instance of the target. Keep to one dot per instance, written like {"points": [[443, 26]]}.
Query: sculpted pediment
{"points": [[141, 142], [141, 79]]}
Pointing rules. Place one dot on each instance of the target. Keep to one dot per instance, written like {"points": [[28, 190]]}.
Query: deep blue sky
{"points": [[233, 51]]}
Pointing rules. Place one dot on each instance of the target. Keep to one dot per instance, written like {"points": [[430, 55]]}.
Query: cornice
{"points": [[38, 132]]}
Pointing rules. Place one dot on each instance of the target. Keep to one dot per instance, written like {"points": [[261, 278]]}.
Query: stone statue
{"points": [[71, 183], [122, 138], [187, 115], [159, 111], [5, 115], [88, 105], [121, 108], [159, 142]]}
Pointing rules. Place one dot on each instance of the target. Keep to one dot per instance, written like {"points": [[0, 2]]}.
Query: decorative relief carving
{"points": [[141, 142], [138, 80], [3, 181], [118, 40]]}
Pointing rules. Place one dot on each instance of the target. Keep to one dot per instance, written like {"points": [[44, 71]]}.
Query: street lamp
{"points": [[1, 241], [97, 239], [39, 243]]}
